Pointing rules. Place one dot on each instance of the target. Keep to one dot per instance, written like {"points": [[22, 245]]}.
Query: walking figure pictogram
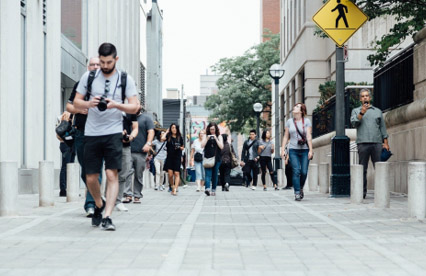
{"points": [[342, 10]]}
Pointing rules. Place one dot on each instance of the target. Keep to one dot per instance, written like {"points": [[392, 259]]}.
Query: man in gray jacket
{"points": [[250, 159], [371, 132]]}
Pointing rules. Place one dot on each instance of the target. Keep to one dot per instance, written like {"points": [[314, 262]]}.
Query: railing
{"points": [[323, 120], [393, 83]]}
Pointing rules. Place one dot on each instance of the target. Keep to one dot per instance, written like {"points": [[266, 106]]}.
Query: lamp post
{"points": [[277, 72], [257, 107]]}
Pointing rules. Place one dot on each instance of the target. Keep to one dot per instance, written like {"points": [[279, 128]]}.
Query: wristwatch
{"points": [[362, 114]]}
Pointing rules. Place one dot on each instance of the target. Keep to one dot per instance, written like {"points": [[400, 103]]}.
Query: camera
{"points": [[301, 142], [102, 105], [126, 137]]}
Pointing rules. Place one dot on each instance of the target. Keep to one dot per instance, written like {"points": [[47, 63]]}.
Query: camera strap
{"points": [[297, 129]]}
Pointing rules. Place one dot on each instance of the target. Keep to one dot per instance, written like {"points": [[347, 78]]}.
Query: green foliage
{"points": [[410, 16], [244, 81]]}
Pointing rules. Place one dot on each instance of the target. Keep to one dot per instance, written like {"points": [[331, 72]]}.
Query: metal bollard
{"points": [[313, 177], [357, 185], [324, 178], [45, 182], [73, 182], [281, 179], [417, 189], [8, 188], [381, 183]]}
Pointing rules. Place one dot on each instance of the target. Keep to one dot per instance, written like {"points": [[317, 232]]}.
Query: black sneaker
{"points": [[297, 197], [107, 224], [207, 192], [276, 188], [265, 189], [63, 193], [97, 216], [302, 195]]}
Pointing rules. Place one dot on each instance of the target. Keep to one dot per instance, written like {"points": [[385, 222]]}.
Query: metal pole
{"points": [[340, 93], [258, 124], [277, 159]]}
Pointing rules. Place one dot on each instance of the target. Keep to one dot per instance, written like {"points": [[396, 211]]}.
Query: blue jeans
{"points": [[199, 171], [68, 155], [299, 163], [211, 176], [79, 148]]}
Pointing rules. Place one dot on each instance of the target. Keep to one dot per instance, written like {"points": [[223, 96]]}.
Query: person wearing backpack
{"points": [[298, 131], [226, 164], [79, 124], [250, 158], [103, 129]]}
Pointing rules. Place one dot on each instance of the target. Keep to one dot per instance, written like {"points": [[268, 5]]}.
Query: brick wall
{"points": [[271, 16]]}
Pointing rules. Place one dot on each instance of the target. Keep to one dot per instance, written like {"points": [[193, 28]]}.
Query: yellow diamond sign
{"points": [[339, 19]]}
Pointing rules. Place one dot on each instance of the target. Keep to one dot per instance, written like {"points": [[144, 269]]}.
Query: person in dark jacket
{"points": [[250, 159], [226, 165]]}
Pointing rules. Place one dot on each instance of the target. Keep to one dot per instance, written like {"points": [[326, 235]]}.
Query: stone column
{"points": [[73, 181], [381, 183], [8, 188], [324, 178], [357, 185], [417, 189], [313, 177], [46, 180]]}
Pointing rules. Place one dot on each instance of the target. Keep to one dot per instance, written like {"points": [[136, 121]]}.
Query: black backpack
{"points": [[92, 76]]}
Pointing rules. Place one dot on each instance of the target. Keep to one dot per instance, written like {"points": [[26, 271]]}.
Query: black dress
{"points": [[174, 154]]}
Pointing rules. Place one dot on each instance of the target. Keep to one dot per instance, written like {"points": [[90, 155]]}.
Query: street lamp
{"points": [[257, 107], [277, 72]]}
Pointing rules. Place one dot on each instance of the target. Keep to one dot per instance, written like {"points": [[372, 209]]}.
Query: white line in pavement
{"points": [[33, 223], [392, 256], [177, 251]]}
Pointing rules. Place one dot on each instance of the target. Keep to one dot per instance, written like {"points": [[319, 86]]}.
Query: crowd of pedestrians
{"points": [[112, 133]]}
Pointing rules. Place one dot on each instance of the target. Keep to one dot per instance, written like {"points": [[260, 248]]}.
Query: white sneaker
{"points": [[198, 188], [156, 187], [184, 186], [253, 188], [161, 188], [121, 207]]}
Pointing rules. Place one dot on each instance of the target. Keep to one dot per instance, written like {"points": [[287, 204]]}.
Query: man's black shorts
{"points": [[98, 148]]}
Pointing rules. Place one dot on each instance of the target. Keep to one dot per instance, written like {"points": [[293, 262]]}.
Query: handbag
{"points": [[234, 162], [63, 128], [198, 157], [209, 162], [386, 154]]}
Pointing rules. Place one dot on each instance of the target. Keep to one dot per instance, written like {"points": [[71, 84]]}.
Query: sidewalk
{"points": [[242, 232]]}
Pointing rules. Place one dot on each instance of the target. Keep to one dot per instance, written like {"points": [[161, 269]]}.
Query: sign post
{"points": [[340, 19]]}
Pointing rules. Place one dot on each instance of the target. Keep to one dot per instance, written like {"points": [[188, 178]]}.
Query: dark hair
{"points": [[225, 137], [107, 49], [169, 135], [217, 133], [264, 134], [302, 108], [254, 131]]}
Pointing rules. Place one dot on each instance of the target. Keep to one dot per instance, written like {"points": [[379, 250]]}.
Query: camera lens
{"points": [[102, 105]]}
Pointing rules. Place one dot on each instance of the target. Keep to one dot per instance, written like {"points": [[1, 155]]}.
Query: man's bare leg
{"points": [[92, 181], [112, 191]]}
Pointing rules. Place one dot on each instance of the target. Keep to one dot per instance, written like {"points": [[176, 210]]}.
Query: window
{"points": [[71, 20], [44, 13]]}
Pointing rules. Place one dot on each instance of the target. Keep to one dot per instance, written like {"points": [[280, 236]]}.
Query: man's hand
{"points": [[283, 153], [145, 148], [111, 103], [364, 107], [94, 102], [242, 164], [386, 146]]}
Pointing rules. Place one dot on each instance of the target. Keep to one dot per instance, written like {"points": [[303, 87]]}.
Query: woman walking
{"points": [[212, 144], [160, 156], [226, 164], [299, 132], [265, 150], [197, 159], [174, 144]]}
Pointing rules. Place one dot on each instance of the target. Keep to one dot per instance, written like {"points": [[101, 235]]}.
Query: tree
{"points": [[410, 16], [244, 81]]}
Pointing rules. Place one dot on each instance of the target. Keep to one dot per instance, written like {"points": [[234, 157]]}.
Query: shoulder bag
{"points": [[209, 162]]}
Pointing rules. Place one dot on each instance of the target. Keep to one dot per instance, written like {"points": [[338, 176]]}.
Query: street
{"points": [[242, 232]]}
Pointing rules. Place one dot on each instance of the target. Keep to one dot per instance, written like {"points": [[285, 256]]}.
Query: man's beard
{"points": [[107, 72]]}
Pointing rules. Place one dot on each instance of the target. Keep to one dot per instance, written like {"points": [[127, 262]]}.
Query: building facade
{"points": [[269, 17]]}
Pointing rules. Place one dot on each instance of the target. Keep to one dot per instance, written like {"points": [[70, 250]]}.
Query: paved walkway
{"points": [[242, 232]]}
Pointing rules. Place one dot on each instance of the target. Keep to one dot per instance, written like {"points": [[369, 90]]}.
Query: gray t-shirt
{"points": [[267, 151], [145, 123], [109, 121], [161, 154], [294, 135]]}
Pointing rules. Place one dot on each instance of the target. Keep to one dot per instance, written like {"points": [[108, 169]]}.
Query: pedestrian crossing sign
{"points": [[340, 19]]}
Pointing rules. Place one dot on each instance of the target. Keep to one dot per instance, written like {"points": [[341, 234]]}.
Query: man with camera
{"points": [[139, 147], [103, 130], [371, 132], [79, 124], [250, 159]]}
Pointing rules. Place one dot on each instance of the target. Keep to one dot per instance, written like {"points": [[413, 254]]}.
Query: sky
{"points": [[198, 33]]}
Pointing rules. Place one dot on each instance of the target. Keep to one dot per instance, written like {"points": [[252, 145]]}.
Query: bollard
{"points": [[324, 178], [357, 185], [313, 177], [416, 189], [73, 182], [381, 185], [46, 179], [281, 178], [8, 188]]}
